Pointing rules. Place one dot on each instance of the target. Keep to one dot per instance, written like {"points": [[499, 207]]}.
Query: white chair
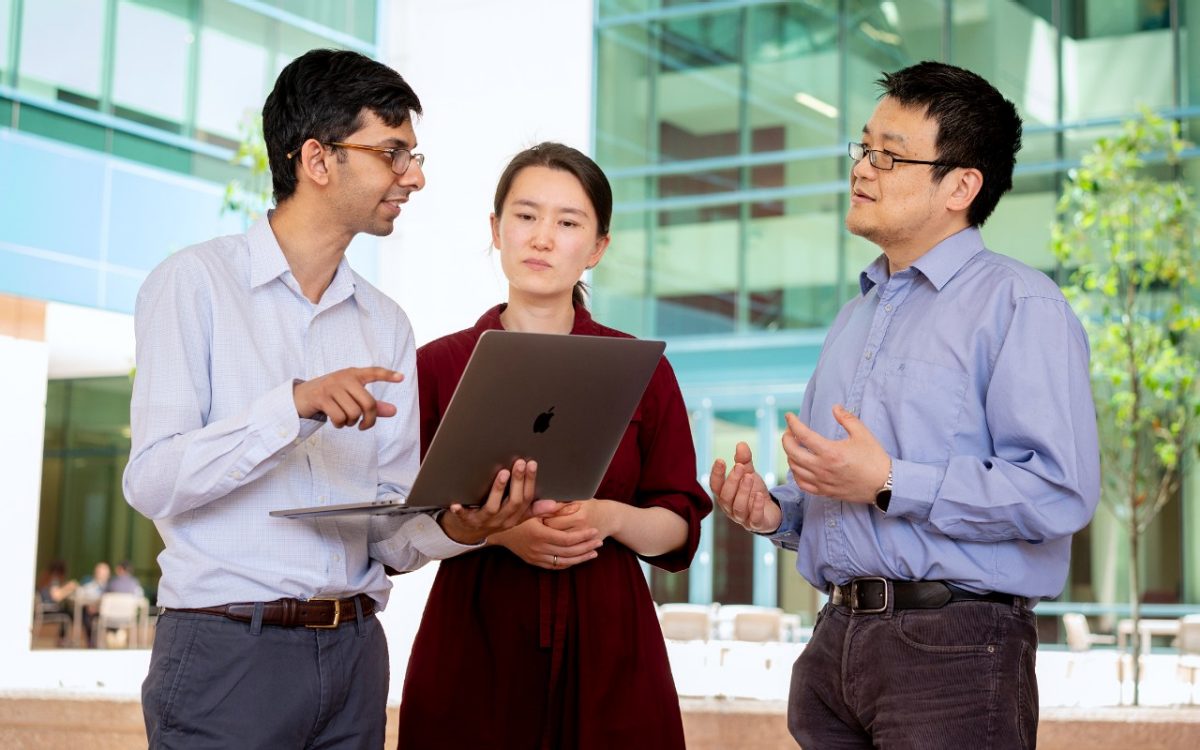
{"points": [[1189, 652], [44, 615], [1080, 640], [760, 625], [685, 622], [121, 614]]}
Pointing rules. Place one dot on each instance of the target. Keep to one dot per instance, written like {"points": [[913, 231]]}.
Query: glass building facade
{"points": [[723, 126], [119, 123]]}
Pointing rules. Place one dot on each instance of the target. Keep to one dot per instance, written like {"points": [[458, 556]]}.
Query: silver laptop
{"points": [[563, 401]]}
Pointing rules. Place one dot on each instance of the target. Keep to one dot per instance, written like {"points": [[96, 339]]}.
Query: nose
{"points": [[413, 177], [863, 168], [543, 235]]}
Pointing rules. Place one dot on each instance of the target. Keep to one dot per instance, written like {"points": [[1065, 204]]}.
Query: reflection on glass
{"points": [[696, 86], [5, 22], [62, 42], [150, 69], [234, 66]]}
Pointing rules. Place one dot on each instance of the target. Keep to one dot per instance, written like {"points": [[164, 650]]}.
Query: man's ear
{"points": [[968, 181], [311, 163]]}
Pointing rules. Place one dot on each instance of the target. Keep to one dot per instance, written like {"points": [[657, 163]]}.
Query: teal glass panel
{"points": [[236, 70], [1016, 49], [152, 216], [61, 128], [38, 208], [353, 17], [885, 37], [1101, 33], [147, 151], [697, 93], [733, 548], [1020, 225], [150, 65], [610, 8], [62, 43], [6, 10], [624, 96], [794, 89], [793, 271]]}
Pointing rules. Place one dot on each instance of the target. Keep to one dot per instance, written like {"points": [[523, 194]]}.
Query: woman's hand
{"points": [[554, 549], [649, 532], [605, 516], [474, 525]]}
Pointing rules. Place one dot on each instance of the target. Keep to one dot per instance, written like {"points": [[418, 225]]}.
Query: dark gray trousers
{"points": [[957, 677], [218, 683]]}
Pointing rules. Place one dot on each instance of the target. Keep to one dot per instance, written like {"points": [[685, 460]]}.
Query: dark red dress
{"points": [[516, 657]]}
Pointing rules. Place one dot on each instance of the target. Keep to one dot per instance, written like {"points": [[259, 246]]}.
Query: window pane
{"points": [[150, 72], [694, 270], [5, 25], [886, 37], [696, 87], [795, 90], [1015, 48], [733, 548], [61, 44], [353, 17], [233, 70], [792, 261], [623, 72]]}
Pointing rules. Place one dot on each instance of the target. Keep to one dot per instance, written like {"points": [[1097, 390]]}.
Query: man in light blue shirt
{"points": [[270, 375], [945, 450]]}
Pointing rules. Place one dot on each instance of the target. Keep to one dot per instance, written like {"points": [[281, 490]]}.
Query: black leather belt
{"points": [[866, 596], [292, 613]]}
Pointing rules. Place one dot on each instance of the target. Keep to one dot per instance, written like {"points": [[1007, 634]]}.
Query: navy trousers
{"points": [[217, 683]]}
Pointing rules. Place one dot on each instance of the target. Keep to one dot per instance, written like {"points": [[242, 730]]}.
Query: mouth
{"points": [[393, 204], [858, 196], [535, 263]]}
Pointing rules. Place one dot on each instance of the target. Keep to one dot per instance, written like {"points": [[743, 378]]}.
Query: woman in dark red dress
{"points": [[547, 636]]}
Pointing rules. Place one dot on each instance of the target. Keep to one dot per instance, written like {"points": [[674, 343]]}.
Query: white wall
{"points": [[493, 78]]}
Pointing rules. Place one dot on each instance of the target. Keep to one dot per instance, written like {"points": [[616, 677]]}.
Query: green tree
{"points": [[250, 196], [1127, 232]]}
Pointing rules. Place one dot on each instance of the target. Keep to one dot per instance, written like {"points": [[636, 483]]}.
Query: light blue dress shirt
{"points": [[972, 370], [223, 331]]}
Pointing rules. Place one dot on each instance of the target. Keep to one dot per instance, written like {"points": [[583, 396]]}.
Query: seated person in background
{"points": [[53, 591], [93, 586], [91, 590], [125, 582]]}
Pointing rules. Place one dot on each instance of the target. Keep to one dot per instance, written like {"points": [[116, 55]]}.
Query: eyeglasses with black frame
{"points": [[884, 160], [401, 158]]}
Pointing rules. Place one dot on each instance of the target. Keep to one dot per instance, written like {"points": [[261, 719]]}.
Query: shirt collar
{"points": [[267, 263], [939, 264], [490, 320]]}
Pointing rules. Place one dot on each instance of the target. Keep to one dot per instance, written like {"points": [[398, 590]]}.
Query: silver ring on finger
{"points": [[555, 562]]}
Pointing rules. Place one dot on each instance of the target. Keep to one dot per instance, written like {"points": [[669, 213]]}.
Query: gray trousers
{"points": [[926, 679], [217, 683]]}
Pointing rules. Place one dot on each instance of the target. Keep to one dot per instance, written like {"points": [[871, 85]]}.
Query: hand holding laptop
{"points": [[473, 525]]}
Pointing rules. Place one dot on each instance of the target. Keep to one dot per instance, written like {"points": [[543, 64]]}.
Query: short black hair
{"points": [[977, 126], [322, 95]]}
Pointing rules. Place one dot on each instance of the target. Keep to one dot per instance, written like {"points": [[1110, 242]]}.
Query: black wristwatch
{"points": [[883, 496]]}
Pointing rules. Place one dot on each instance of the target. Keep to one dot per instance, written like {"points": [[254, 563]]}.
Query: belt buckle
{"points": [[337, 612], [854, 607]]}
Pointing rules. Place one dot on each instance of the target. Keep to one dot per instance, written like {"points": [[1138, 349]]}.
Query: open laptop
{"points": [[563, 401]]}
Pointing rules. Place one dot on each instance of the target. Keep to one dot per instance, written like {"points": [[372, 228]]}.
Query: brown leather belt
{"points": [[867, 596], [292, 613]]}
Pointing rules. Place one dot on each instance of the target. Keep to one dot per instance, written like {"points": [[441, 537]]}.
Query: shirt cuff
{"points": [[914, 488], [786, 535], [428, 537]]}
